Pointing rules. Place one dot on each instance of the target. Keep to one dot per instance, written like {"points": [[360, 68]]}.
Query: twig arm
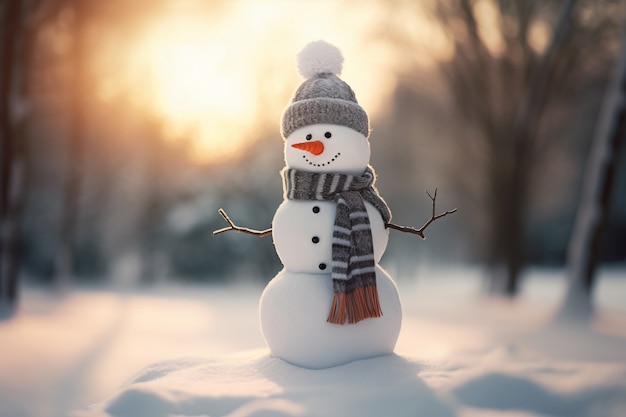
{"points": [[433, 217], [406, 229], [232, 226]]}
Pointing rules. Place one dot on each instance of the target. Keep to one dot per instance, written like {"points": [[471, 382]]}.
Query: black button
{"points": [[322, 266], [315, 239], [316, 209]]}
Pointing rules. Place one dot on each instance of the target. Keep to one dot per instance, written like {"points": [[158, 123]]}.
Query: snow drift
{"points": [[457, 355]]}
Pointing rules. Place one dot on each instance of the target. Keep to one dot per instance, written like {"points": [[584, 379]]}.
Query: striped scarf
{"points": [[355, 296]]}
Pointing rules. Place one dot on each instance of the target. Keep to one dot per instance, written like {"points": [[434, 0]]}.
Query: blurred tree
{"points": [[595, 201], [21, 22], [72, 182], [507, 75], [93, 182], [9, 181]]}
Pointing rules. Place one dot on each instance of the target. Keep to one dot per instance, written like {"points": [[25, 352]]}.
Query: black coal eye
{"points": [[327, 135], [309, 137]]}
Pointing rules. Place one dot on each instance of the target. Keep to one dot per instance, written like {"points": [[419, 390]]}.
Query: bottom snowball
{"points": [[293, 310]]}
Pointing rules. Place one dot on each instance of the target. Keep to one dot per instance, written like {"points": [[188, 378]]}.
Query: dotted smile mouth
{"points": [[322, 164]]}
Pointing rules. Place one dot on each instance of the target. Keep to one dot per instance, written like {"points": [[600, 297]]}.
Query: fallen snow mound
{"points": [[255, 384]]}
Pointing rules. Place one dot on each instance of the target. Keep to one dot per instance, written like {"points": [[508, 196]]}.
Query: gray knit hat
{"points": [[323, 97]]}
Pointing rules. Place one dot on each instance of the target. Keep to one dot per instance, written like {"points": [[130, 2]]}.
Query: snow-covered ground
{"points": [[198, 351]]}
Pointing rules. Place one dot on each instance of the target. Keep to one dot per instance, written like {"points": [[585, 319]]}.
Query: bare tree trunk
{"points": [[510, 237], [585, 243], [8, 168], [152, 202], [72, 186]]}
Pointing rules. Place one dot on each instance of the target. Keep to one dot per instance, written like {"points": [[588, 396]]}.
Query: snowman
{"points": [[332, 303]]}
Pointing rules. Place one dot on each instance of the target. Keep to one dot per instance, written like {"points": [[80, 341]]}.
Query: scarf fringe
{"points": [[358, 305]]}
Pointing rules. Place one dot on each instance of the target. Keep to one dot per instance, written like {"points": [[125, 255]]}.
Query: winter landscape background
{"points": [[124, 126]]}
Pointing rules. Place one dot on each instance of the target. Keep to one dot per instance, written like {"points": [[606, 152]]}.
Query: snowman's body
{"points": [[294, 307], [303, 232]]}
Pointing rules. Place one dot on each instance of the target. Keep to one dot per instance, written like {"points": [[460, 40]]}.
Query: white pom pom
{"points": [[319, 57]]}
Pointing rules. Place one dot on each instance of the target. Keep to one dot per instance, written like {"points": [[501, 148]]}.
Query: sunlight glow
{"points": [[539, 35], [188, 69], [196, 85], [489, 26], [213, 75]]}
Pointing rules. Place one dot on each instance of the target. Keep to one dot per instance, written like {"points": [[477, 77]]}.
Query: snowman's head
{"points": [[327, 148], [324, 127]]}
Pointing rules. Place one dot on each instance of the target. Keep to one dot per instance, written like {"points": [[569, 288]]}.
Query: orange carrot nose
{"points": [[316, 147]]}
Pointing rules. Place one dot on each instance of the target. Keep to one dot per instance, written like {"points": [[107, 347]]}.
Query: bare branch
{"points": [[433, 217], [232, 226]]}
